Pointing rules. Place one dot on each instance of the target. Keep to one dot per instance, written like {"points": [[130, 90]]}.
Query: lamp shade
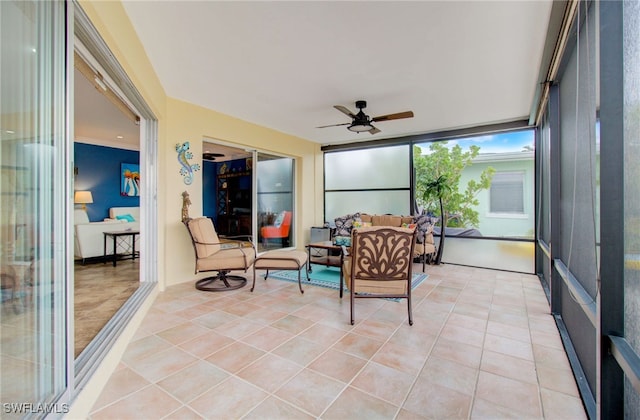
{"points": [[83, 197]]}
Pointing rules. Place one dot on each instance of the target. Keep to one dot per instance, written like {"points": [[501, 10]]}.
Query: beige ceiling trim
{"points": [[97, 80]]}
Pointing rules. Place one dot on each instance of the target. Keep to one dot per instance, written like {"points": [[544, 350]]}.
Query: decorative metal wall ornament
{"points": [[187, 169]]}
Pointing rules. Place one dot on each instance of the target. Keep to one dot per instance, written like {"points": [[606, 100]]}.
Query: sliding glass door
{"points": [[33, 246], [274, 204]]}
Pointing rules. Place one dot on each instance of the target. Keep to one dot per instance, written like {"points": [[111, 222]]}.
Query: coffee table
{"points": [[328, 260]]}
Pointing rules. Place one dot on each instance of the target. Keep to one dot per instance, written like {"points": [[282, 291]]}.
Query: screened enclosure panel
{"points": [[372, 202], [577, 241], [544, 211], [486, 253], [503, 205], [379, 168], [578, 160], [632, 192]]}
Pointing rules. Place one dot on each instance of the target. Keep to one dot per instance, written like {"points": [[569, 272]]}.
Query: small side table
{"points": [[327, 260], [119, 238]]}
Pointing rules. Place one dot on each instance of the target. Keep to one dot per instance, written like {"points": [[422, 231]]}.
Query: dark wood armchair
{"points": [[380, 264]]}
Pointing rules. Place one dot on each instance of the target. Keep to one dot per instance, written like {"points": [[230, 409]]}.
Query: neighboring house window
{"points": [[507, 193]]}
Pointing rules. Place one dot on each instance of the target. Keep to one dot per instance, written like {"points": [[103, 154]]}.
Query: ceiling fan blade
{"points": [[333, 125], [344, 110], [374, 130], [396, 116]]}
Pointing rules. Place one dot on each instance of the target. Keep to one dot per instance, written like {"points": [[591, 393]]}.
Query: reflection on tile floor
{"points": [[483, 345], [100, 290]]}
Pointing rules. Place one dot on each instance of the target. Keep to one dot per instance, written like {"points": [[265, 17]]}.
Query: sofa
{"points": [[89, 236], [424, 249]]}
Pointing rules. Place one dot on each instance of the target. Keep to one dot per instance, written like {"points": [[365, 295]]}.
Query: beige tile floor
{"points": [[483, 345]]}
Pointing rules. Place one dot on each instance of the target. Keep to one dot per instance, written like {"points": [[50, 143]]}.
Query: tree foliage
{"points": [[446, 164]]}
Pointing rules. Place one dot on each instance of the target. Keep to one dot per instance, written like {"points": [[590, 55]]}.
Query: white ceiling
{"points": [[98, 121], [285, 64]]}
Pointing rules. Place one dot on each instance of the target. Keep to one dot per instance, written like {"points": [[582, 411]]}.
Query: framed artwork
{"points": [[130, 179]]}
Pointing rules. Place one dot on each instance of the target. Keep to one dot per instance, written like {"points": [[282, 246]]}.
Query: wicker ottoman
{"points": [[280, 260]]}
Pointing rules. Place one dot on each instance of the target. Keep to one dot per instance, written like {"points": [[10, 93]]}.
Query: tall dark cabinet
{"points": [[233, 204]]}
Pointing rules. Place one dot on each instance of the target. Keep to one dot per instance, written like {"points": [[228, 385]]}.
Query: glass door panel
{"points": [[33, 240], [274, 201]]}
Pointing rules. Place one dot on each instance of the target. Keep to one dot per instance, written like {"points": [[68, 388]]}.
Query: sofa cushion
{"points": [[386, 220], [366, 218]]}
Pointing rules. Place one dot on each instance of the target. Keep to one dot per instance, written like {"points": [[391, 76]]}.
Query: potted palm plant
{"points": [[438, 189]]}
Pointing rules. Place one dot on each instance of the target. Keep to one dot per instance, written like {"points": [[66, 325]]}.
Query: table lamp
{"points": [[84, 198]]}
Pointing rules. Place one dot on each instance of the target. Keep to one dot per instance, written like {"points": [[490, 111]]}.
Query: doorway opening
{"points": [[106, 160], [249, 199]]}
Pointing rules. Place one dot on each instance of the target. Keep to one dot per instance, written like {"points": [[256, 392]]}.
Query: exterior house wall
{"points": [[507, 225]]}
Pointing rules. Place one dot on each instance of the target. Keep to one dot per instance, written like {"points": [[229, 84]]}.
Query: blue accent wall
{"points": [[209, 189], [98, 171]]}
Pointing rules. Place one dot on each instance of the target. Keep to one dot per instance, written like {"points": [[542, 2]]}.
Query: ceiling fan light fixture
{"points": [[211, 156], [360, 127]]}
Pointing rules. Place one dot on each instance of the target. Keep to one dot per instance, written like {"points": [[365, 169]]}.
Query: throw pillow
{"points": [[279, 220], [127, 217], [409, 225], [344, 224], [424, 224], [342, 240]]}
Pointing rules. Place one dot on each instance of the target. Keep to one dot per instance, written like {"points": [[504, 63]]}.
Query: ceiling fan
{"points": [[211, 156], [361, 121]]}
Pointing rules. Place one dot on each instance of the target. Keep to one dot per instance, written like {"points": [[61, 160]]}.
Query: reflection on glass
{"points": [[631, 181], [32, 248], [275, 201]]}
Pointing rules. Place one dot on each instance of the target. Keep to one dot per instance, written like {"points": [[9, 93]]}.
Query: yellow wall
{"points": [[179, 122], [187, 122]]}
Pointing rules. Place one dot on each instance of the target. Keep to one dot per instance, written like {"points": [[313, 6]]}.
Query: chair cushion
{"points": [[202, 230], [227, 259], [281, 260]]}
